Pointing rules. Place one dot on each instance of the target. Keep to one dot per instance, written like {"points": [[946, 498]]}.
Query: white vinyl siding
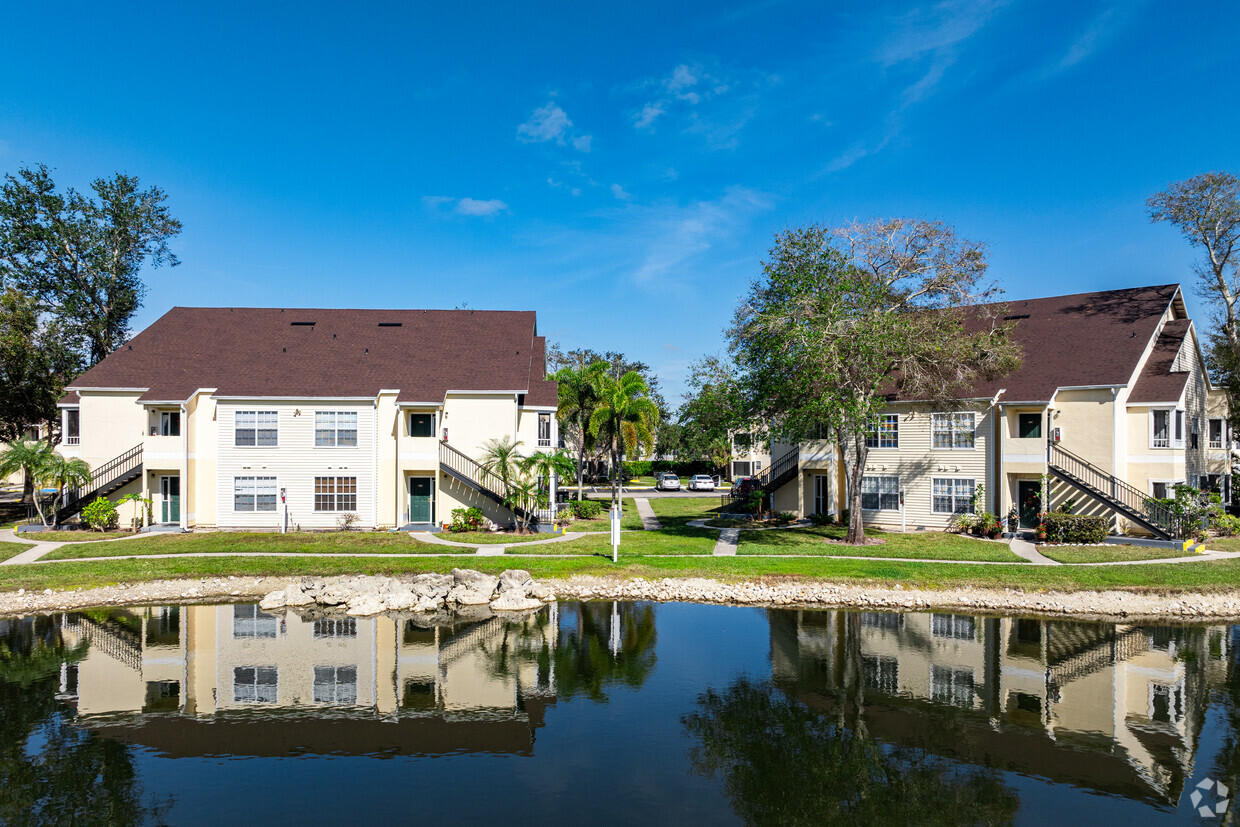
{"points": [[886, 434], [953, 430], [295, 464], [880, 493]]}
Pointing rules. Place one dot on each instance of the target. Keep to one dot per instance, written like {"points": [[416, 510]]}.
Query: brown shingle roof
{"points": [[325, 353], [1158, 383], [1079, 340]]}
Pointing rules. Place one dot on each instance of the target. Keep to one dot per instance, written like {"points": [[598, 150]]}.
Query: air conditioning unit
{"points": [[1055, 435]]}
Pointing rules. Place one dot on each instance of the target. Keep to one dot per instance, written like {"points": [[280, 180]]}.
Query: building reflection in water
{"points": [[279, 685], [1114, 708]]}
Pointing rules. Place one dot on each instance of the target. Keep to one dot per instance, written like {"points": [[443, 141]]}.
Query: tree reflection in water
{"points": [[783, 763], [73, 777], [588, 658]]}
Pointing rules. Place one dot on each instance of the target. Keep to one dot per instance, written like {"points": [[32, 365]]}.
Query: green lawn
{"points": [[228, 541], [1110, 554], [928, 545], [1196, 576], [79, 536], [633, 543], [1223, 544], [8, 550], [674, 512], [628, 520], [490, 537]]}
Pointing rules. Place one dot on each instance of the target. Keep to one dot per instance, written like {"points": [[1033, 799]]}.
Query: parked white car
{"points": [[667, 482], [701, 482]]}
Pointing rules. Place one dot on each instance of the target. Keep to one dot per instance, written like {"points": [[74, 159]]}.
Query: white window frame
{"points": [[72, 438], [954, 686], [822, 494], [1222, 432], [335, 494], [953, 480], [252, 619], [954, 430], [335, 670], [258, 422], [1169, 484], [328, 422], [880, 493], [255, 685], [409, 424], [885, 435], [253, 483], [544, 416], [165, 423]]}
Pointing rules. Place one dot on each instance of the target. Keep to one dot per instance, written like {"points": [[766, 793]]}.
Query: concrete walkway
{"points": [[39, 548], [650, 520], [728, 540], [1023, 548]]}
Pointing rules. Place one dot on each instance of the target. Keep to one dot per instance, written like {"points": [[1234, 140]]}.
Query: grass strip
{"points": [[929, 545], [303, 542], [1110, 554]]}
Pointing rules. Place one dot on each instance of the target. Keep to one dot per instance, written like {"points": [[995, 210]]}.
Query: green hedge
{"points": [[647, 468], [1076, 528]]}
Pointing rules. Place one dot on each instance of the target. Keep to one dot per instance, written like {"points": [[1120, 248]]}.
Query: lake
{"points": [[612, 713]]}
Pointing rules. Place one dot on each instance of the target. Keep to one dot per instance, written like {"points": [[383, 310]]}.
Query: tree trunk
{"points": [[581, 470], [856, 528]]}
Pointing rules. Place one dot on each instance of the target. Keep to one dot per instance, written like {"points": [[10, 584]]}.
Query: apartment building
{"points": [[251, 417]]}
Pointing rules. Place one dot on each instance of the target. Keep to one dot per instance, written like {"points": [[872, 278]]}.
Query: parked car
{"points": [[701, 482], [667, 482], [744, 485]]}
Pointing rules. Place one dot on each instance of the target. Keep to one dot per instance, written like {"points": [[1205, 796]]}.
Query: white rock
{"points": [[427, 604], [275, 600], [518, 579], [513, 601], [464, 596], [366, 605]]}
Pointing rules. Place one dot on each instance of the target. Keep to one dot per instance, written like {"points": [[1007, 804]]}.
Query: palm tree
{"points": [[577, 402], [29, 457], [624, 418], [62, 474], [501, 458], [523, 497]]}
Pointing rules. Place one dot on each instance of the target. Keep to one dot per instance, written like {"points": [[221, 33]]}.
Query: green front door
{"points": [[1029, 493], [170, 497], [421, 497]]}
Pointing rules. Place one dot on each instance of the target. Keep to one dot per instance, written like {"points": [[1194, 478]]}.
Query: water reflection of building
{"points": [[272, 684], [1116, 708]]}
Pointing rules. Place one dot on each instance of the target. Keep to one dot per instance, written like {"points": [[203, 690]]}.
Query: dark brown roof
{"points": [[1158, 383], [1079, 340], [326, 353]]}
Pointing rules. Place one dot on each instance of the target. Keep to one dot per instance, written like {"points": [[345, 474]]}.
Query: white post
{"points": [[903, 514], [615, 533], [615, 629], [283, 511]]}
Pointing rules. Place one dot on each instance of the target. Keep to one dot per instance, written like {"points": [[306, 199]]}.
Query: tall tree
{"points": [[81, 256], [624, 419], [713, 409], [37, 360], [578, 397], [1206, 210], [841, 318]]}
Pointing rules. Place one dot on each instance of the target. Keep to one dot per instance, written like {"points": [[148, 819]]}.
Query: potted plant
{"points": [[1039, 533]]}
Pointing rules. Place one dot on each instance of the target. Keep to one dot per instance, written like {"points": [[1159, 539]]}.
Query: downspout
{"points": [[400, 424], [374, 473], [185, 500], [996, 438]]}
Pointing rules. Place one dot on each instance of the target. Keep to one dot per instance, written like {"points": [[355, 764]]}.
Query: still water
{"points": [[611, 713]]}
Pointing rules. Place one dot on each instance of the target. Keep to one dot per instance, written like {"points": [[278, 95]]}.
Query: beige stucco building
{"points": [[251, 418], [1111, 407]]}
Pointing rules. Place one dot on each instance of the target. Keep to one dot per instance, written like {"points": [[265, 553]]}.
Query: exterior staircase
{"points": [[1119, 496], [780, 472], [107, 478], [466, 470]]}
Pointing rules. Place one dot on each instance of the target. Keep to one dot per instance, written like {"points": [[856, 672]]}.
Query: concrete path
{"points": [[39, 548], [650, 521], [1023, 548], [725, 546], [480, 548]]}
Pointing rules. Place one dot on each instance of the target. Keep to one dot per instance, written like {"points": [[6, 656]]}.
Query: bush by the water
{"points": [[100, 514], [1075, 528]]}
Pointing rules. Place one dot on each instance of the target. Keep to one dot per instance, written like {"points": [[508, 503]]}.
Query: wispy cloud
{"points": [[695, 100], [1102, 29], [551, 123], [620, 192], [465, 206]]}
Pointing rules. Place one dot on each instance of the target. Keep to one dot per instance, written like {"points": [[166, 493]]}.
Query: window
{"points": [[250, 623], [952, 496], [955, 627], [421, 424], [951, 686], [335, 684], [1212, 483], [544, 430], [1195, 435], [888, 621], [328, 627], [1160, 436], [335, 493], [255, 684], [1179, 428], [73, 426], [954, 430], [742, 442], [881, 673], [880, 493], [1029, 425], [254, 493], [741, 469], [335, 429], [256, 428], [1159, 490], [169, 423], [1216, 433], [1166, 704], [885, 434]]}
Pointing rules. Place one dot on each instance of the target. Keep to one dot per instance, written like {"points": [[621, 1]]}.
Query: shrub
{"points": [[639, 468], [100, 514], [586, 509], [962, 523], [821, 519], [1226, 525], [346, 521], [783, 518], [1075, 528], [845, 516], [466, 519]]}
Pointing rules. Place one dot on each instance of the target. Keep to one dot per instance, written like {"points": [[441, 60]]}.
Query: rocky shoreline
{"points": [[1104, 605]]}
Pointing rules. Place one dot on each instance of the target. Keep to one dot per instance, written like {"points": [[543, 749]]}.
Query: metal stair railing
{"points": [[469, 471], [102, 479], [1111, 490], [780, 470]]}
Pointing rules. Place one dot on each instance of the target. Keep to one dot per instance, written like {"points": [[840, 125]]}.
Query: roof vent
{"points": [[390, 324], [302, 324], [1016, 316]]}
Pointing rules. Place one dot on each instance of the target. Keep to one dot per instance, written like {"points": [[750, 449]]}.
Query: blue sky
{"points": [[620, 168]]}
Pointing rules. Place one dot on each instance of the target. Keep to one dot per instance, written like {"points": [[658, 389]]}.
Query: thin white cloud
{"points": [[582, 142], [465, 206], [647, 115], [620, 192], [682, 78], [547, 123], [698, 101], [1104, 27]]}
